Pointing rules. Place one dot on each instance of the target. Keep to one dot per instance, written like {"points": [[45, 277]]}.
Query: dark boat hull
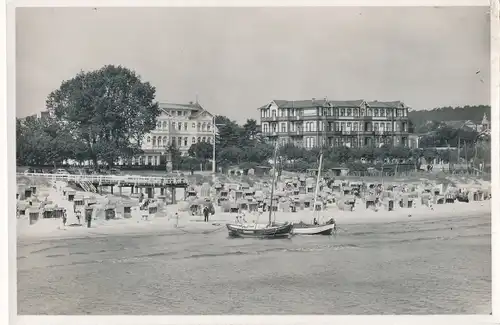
{"points": [[281, 231]]}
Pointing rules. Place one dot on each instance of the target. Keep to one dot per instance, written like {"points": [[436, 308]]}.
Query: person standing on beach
{"points": [[64, 218], [206, 212], [88, 218]]}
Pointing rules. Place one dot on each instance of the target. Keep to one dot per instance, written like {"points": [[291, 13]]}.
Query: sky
{"points": [[235, 60]]}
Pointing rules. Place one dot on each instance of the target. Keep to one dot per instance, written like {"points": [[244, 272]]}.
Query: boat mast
{"points": [[275, 169], [317, 182]]}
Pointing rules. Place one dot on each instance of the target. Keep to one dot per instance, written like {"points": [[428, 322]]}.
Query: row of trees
{"points": [[104, 114]]}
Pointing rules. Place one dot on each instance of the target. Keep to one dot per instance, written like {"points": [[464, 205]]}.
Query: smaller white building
{"points": [[179, 124]]}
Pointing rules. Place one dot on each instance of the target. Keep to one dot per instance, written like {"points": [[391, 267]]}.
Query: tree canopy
{"points": [[108, 111]]}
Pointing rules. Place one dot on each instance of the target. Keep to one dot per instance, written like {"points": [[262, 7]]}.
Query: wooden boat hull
{"points": [[281, 231], [308, 229]]}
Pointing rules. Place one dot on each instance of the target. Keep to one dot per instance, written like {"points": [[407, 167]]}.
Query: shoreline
{"points": [[194, 226]]}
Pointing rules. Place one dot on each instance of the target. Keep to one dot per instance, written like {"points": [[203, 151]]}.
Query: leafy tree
{"points": [[109, 110], [175, 155], [201, 150], [43, 142], [251, 129], [422, 118]]}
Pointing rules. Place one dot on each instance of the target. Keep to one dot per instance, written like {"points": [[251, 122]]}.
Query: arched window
{"points": [[363, 112], [185, 141], [193, 140], [203, 139], [165, 141], [154, 141], [199, 139], [164, 124], [356, 112], [149, 139], [203, 126], [369, 112]]}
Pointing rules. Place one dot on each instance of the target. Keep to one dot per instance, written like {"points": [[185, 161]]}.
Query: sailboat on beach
{"points": [[270, 230], [326, 228]]}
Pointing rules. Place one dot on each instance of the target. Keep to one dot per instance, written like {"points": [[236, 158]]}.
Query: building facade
{"points": [[357, 123], [179, 124]]}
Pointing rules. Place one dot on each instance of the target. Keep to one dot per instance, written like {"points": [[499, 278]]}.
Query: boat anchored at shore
{"points": [[315, 228], [271, 230]]}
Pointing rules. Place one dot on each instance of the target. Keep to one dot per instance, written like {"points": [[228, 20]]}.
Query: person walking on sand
{"points": [[206, 212], [64, 218]]}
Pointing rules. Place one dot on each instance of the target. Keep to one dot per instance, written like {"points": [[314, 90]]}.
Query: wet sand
{"points": [[430, 263]]}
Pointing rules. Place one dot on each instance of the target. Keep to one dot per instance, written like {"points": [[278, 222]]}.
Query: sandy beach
{"points": [[407, 261]]}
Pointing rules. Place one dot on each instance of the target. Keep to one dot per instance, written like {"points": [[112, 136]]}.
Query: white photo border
{"points": [[8, 283]]}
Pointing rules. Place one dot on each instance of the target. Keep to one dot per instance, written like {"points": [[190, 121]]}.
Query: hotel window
{"points": [[184, 113], [349, 112], [179, 113], [165, 141], [199, 126], [355, 142], [382, 112], [179, 141], [193, 125], [262, 113], [203, 125], [375, 126], [355, 126], [159, 141], [193, 140], [388, 127], [342, 112], [265, 128], [375, 112], [356, 112], [283, 127], [179, 126], [388, 112], [164, 125], [337, 126], [203, 139], [185, 142], [149, 139], [369, 112], [185, 126], [154, 141], [274, 113], [349, 125], [208, 126], [342, 126], [282, 112], [336, 142], [158, 125], [199, 139], [363, 112]]}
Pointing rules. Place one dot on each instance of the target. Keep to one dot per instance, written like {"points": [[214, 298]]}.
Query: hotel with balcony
{"points": [[311, 123], [179, 124]]}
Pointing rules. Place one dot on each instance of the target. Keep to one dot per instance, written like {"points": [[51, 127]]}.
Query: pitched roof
{"points": [[346, 103], [392, 104], [334, 103], [191, 105]]}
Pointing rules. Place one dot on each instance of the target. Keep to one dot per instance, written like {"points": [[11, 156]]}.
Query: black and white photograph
{"points": [[332, 160]]}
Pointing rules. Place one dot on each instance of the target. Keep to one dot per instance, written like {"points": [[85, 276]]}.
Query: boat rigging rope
{"points": [[204, 232]]}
